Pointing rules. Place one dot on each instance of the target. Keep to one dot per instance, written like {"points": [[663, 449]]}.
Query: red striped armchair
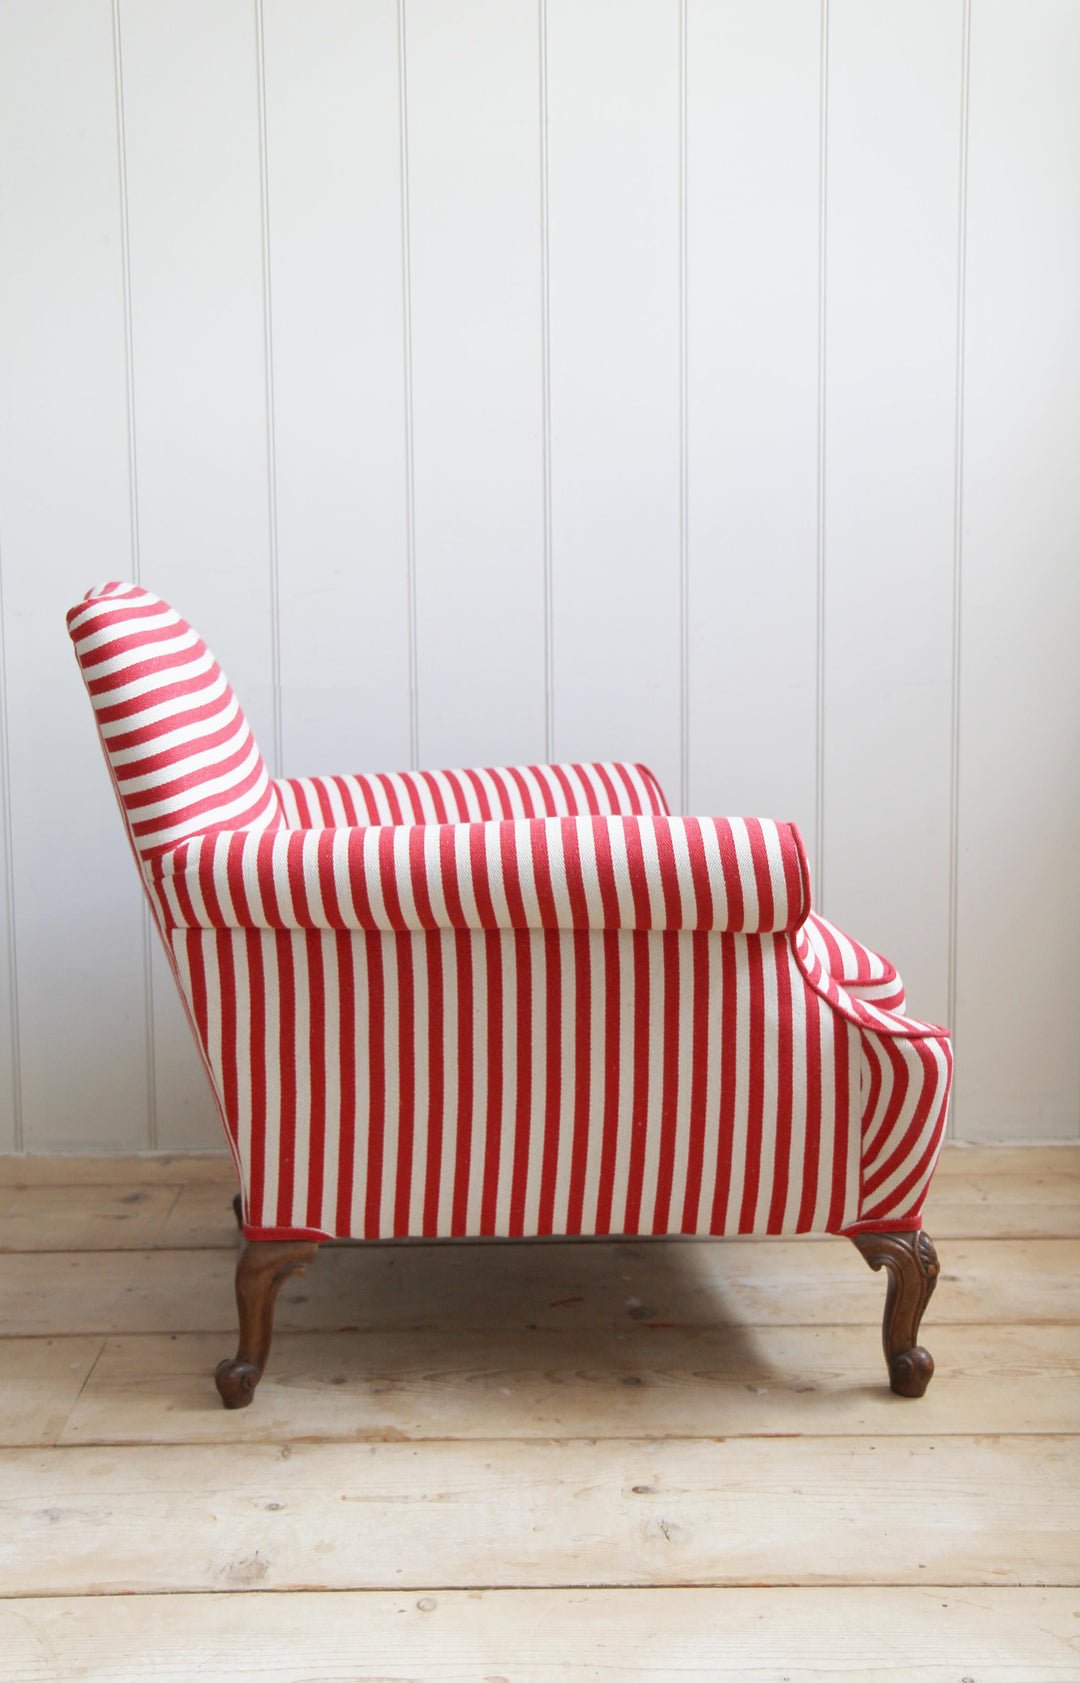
{"points": [[513, 1001]]}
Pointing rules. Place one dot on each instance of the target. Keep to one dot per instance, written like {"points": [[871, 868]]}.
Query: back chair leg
{"points": [[912, 1265], [262, 1270]]}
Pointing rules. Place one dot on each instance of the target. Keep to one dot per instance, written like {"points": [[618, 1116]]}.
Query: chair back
{"points": [[181, 753]]}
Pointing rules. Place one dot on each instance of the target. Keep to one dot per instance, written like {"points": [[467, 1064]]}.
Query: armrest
{"points": [[475, 793], [859, 970], [857, 1001], [743, 875]]}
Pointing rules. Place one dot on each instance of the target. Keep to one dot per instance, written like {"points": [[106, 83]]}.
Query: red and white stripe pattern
{"points": [[859, 971], [470, 795], [519, 1082], [182, 756], [517, 1000], [905, 1076], [905, 1084], [744, 875]]}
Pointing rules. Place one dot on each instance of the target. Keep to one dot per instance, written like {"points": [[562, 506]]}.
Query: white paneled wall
{"points": [[614, 309], [695, 381], [1018, 822], [893, 186]]}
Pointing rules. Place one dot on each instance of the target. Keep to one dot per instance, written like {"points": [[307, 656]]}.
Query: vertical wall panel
{"points": [[613, 172], [1018, 985], [333, 164], [10, 1095], [472, 89], [527, 314], [65, 514], [892, 238], [753, 116], [193, 178]]}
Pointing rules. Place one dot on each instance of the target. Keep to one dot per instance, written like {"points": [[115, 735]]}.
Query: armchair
{"points": [[512, 1001]]}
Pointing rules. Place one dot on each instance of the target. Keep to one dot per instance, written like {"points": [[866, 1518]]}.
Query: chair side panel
{"points": [[471, 1083]]}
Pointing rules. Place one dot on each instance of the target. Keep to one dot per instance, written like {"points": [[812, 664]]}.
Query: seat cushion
{"points": [[182, 756]]}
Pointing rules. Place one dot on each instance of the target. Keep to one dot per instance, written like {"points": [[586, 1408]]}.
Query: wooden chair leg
{"points": [[262, 1270], [912, 1265]]}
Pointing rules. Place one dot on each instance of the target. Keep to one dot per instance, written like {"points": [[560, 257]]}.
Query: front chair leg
{"points": [[263, 1268], [912, 1266]]}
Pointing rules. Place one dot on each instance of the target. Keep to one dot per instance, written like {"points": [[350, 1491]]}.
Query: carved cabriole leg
{"points": [[262, 1270], [912, 1265]]}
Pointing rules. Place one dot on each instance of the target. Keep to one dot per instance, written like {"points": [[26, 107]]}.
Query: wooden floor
{"points": [[521, 1462]]}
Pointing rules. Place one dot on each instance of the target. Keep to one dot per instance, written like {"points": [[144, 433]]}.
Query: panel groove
{"points": [[958, 529], [410, 484], [823, 200], [268, 354], [684, 489], [133, 516], [545, 379]]}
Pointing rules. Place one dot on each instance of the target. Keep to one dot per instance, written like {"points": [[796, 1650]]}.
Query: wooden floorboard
{"points": [[171, 1168], [40, 1383], [137, 1168], [554, 1283], [535, 1461], [458, 1515], [105, 1217], [854, 1635], [485, 1383]]}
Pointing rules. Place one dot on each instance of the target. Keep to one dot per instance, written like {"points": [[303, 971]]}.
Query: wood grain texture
{"points": [[47, 1218], [555, 1285], [528, 1514], [513, 1383], [1004, 1206], [553, 1636], [40, 1383], [971, 1162], [539, 1484], [127, 1169]]}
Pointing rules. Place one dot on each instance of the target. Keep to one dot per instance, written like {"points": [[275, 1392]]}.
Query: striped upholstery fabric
{"points": [[183, 759], [748, 876], [859, 971], [516, 1000], [448, 797]]}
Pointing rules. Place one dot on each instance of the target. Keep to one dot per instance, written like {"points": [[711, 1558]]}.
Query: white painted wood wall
{"points": [[688, 380]]}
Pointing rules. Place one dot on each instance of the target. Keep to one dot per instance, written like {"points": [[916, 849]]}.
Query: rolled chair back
{"points": [[181, 753]]}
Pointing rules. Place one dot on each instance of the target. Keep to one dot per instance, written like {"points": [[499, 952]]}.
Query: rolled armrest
{"points": [[471, 795], [743, 875]]}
